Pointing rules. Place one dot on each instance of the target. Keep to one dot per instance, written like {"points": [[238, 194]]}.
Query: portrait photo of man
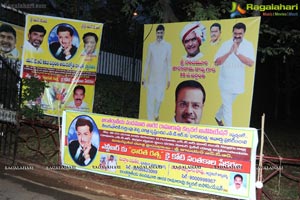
{"points": [[78, 97], [8, 40], [215, 33], [63, 49], [237, 185], [189, 102], [111, 164], [90, 41], [192, 36], [232, 58], [157, 73], [82, 150], [36, 36]]}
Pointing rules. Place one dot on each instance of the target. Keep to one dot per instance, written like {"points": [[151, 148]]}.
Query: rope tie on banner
{"points": [[280, 161], [273, 147]]}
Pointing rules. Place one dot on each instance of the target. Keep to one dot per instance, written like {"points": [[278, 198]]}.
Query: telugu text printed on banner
{"points": [[63, 53], [198, 158]]}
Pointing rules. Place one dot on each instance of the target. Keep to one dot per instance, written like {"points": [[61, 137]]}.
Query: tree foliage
{"points": [[33, 89]]}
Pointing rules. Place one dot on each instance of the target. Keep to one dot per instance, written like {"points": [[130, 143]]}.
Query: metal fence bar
{"points": [[276, 165], [119, 65], [10, 98]]}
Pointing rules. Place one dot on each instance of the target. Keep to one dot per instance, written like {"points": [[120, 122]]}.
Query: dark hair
{"points": [[84, 122], [160, 27], [8, 28], [239, 26], [216, 25], [63, 29], [90, 34], [191, 84], [79, 87], [37, 28], [238, 175]]}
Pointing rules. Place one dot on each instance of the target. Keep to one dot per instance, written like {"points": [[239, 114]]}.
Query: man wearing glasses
{"points": [[190, 98]]}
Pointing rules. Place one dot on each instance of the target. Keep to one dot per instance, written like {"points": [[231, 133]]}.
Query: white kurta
{"points": [[28, 46], [82, 107], [13, 53], [232, 74], [158, 63], [241, 191], [232, 77]]}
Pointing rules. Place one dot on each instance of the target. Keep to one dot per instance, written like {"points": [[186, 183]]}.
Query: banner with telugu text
{"points": [[64, 53], [204, 159], [200, 68]]}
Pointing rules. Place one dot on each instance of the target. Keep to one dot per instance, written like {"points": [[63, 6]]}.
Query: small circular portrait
{"points": [[63, 41], [83, 140]]}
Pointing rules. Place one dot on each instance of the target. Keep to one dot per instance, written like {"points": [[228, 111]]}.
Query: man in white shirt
{"points": [[78, 96], [158, 63], [111, 164], [8, 40], [35, 38], [232, 57], [237, 186], [215, 33]]}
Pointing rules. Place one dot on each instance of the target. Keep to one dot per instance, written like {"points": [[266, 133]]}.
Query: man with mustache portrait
{"points": [[237, 186], [215, 34], [35, 38], [189, 102], [78, 96], [8, 40], [232, 57]]}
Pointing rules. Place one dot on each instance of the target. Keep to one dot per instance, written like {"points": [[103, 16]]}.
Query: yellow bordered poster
{"points": [[188, 53], [199, 158], [64, 53]]}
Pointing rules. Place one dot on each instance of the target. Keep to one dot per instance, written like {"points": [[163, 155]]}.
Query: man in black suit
{"points": [[63, 49], [82, 150]]}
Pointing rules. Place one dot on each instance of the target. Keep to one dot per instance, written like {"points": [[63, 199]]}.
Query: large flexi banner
{"points": [[64, 53], [199, 72], [206, 159]]}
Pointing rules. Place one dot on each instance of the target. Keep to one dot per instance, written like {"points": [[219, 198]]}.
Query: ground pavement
{"points": [[39, 182]]}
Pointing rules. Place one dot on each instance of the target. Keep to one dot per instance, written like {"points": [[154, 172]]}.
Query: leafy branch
{"points": [[33, 90]]}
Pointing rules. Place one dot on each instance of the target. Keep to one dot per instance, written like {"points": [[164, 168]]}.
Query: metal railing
{"points": [[10, 99]]}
